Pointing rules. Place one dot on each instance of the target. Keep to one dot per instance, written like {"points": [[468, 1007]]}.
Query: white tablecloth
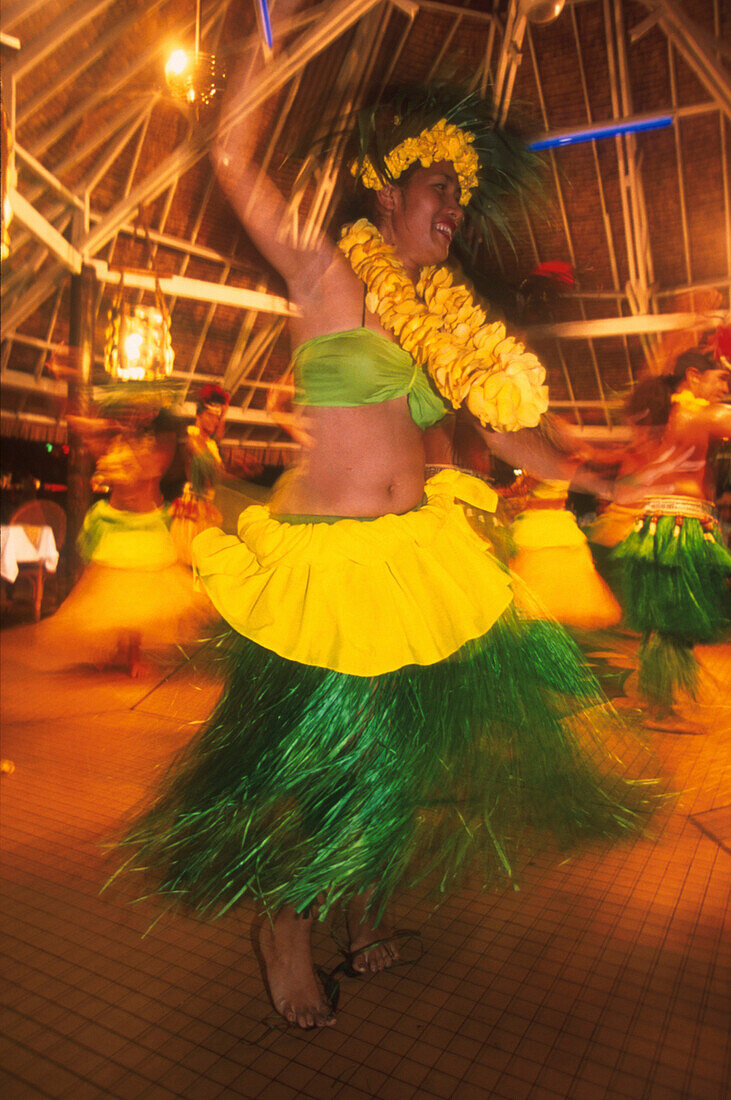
{"points": [[20, 544]]}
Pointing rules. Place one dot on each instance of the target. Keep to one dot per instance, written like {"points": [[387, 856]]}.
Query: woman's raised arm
{"points": [[258, 203]]}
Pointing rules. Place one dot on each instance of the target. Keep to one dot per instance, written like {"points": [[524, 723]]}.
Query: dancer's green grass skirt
{"points": [[675, 583], [675, 592], [308, 782]]}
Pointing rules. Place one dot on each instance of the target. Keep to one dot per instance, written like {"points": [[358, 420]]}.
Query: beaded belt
{"points": [[690, 507], [681, 508]]}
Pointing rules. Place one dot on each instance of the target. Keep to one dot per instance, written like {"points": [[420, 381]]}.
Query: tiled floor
{"points": [[604, 976]]}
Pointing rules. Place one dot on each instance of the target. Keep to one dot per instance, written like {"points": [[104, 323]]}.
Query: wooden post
{"points": [[81, 339]]}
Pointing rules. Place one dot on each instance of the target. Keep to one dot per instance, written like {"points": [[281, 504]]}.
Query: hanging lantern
{"points": [[194, 79], [137, 346]]}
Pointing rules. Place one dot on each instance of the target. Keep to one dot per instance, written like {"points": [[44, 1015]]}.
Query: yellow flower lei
{"points": [[443, 141], [439, 325], [689, 401]]}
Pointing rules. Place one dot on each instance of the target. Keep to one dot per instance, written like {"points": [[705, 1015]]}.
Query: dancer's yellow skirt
{"points": [[132, 587], [613, 525], [559, 579], [362, 597]]}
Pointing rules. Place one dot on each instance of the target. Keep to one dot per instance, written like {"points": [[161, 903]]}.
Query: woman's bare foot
{"points": [[669, 721], [129, 656], [295, 994], [362, 932]]}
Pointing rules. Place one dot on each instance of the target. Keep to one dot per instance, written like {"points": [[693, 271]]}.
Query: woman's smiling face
{"points": [[426, 215]]}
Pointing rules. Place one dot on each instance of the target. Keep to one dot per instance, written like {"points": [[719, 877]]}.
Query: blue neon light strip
{"points": [[601, 130], [266, 23]]}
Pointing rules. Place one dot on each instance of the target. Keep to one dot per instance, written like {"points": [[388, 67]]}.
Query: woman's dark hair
{"points": [[211, 394], [360, 202], [164, 423], [649, 403]]}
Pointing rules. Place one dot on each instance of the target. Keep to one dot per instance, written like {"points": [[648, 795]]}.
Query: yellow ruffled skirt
{"points": [[363, 597], [559, 578], [132, 587], [613, 525]]}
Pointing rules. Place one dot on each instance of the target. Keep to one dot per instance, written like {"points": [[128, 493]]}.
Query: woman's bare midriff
{"points": [[364, 461]]}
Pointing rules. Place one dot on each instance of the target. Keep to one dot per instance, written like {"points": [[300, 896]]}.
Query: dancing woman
{"points": [[386, 716], [134, 601]]}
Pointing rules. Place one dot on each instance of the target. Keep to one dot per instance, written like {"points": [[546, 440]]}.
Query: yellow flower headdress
{"points": [[425, 125], [470, 360], [442, 141]]}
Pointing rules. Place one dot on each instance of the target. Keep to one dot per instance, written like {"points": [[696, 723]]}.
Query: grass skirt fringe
{"points": [[675, 592], [675, 583], [308, 781], [667, 666]]}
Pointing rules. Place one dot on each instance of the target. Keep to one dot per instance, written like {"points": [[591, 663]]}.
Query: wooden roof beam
{"points": [[639, 285], [52, 387], [637, 325], [567, 233], [46, 233], [334, 22], [48, 178], [83, 61], [509, 58], [132, 115], [697, 48], [20, 9], [339, 18], [197, 289], [115, 85], [55, 34]]}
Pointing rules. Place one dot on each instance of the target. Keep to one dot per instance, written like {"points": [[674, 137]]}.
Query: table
{"points": [[20, 544], [28, 545]]}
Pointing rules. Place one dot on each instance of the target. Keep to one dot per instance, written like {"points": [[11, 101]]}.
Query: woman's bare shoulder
{"points": [[713, 421], [328, 298]]}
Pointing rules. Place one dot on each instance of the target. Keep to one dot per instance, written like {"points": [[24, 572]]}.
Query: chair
{"points": [[39, 513]]}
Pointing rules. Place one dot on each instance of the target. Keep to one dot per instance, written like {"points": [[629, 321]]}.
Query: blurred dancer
{"points": [[194, 510], [133, 599], [674, 565], [553, 560]]}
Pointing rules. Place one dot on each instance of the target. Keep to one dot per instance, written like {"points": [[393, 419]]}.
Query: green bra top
{"points": [[361, 367]]}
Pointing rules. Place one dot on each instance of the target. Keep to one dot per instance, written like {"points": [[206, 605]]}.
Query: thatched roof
{"points": [[102, 151]]}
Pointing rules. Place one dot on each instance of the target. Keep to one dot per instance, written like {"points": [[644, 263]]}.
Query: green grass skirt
{"points": [[675, 593], [309, 782], [675, 583]]}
